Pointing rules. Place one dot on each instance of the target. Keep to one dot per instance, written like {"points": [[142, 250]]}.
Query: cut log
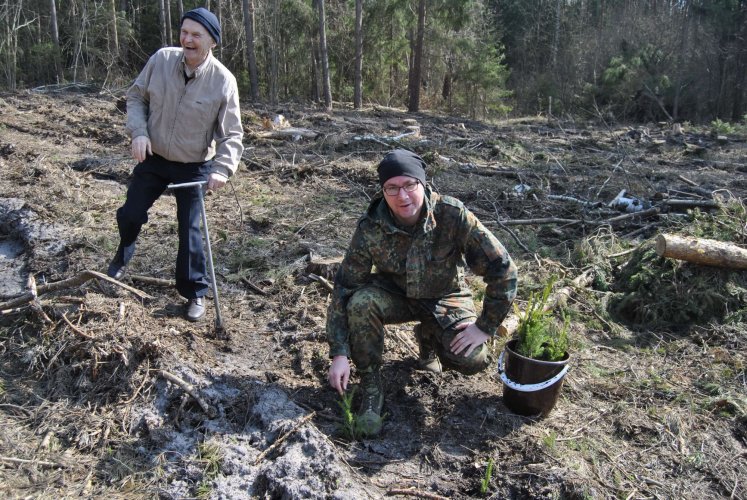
{"points": [[701, 251]]}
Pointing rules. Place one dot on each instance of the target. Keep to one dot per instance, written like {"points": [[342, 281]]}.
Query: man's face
{"points": [[405, 205], [196, 42]]}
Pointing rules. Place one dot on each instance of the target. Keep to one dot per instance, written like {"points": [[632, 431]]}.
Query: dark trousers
{"points": [[149, 181]]}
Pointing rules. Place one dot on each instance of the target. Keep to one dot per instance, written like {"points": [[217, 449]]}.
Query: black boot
{"points": [[118, 265]]}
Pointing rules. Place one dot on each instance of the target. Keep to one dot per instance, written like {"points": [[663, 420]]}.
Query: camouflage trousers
{"points": [[371, 307]]}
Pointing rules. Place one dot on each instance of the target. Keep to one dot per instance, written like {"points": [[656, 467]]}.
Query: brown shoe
{"points": [[195, 309]]}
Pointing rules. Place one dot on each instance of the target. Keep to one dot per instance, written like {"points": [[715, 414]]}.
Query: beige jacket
{"points": [[187, 122]]}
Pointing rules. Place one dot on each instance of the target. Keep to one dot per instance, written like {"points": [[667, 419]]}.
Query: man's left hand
{"points": [[469, 338], [216, 181]]}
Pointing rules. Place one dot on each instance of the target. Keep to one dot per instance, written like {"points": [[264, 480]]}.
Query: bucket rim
{"points": [[511, 343]]}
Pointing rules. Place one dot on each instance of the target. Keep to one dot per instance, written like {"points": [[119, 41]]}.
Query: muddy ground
{"points": [[88, 405]]}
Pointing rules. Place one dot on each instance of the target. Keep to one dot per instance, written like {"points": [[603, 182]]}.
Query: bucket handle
{"points": [[527, 387]]}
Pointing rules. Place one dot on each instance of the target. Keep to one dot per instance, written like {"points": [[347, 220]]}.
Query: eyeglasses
{"points": [[394, 190]]}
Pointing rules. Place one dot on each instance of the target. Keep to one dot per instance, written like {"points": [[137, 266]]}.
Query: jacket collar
{"points": [[200, 70]]}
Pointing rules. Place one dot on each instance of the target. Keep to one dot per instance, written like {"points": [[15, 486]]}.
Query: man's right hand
{"points": [[339, 373], [141, 148]]}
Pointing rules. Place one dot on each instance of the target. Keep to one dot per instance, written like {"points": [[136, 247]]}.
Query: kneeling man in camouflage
{"points": [[405, 263]]}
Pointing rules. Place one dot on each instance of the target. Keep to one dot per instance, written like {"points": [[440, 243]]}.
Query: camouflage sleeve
{"points": [[488, 258], [354, 272]]}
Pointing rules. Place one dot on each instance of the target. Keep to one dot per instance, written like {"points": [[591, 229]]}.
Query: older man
{"points": [[418, 243], [184, 120]]}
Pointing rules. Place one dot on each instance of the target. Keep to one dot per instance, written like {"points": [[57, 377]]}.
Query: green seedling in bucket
{"points": [[539, 337], [533, 364]]}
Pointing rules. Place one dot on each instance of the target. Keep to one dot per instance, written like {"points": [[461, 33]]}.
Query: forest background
{"points": [[675, 60]]}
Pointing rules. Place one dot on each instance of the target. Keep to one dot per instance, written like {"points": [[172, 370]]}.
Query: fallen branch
{"points": [[282, 438], [687, 181], [701, 251], [33, 462], [287, 133], [412, 492], [562, 197], [69, 283], [322, 281], [643, 213], [515, 237], [75, 328], [692, 203], [189, 389], [546, 220], [253, 286], [149, 280]]}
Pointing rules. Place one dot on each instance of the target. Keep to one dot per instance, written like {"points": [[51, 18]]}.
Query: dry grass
{"points": [[647, 410]]}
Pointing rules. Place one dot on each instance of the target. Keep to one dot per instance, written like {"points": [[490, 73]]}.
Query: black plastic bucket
{"points": [[530, 386]]}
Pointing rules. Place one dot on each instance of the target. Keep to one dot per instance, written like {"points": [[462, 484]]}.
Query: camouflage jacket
{"points": [[426, 264]]}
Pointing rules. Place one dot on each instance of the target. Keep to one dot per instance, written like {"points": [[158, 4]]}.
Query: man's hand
{"points": [[339, 374], [469, 338], [216, 181], [141, 148]]}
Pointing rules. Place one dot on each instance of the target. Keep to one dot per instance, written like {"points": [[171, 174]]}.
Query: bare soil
{"points": [[86, 405]]}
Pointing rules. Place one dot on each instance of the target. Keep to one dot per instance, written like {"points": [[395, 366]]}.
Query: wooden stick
{"points": [[324, 282], [285, 436], [546, 220], [75, 328], [642, 213], [692, 203], [149, 280], [687, 181], [253, 286], [33, 462], [78, 280], [412, 492], [189, 389], [701, 251]]}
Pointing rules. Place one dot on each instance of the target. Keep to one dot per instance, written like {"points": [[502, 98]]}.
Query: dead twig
{"points": [[546, 220], [76, 329], [253, 286], [324, 282], [643, 213], [142, 384], [149, 280], [189, 389], [282, 438], [33, 462], [75, 281], [687, 181], [412, 492]]}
